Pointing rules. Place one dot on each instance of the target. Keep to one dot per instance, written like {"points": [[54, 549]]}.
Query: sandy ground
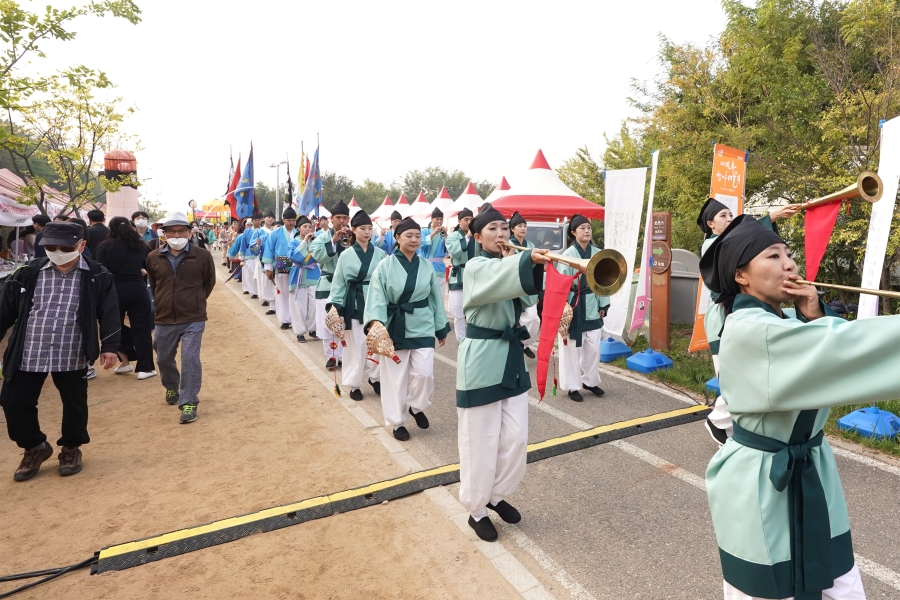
{"points": [[267, 434]]}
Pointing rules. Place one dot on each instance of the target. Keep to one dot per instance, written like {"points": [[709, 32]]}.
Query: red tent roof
{"points": [[504, 184], [353, 202], [540, 196]]}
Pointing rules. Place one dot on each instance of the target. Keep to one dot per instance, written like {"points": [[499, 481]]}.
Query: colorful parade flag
{"points": [[244, 194], [312, 191], [229, 197]]}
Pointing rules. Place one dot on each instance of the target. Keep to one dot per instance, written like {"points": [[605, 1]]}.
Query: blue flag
{"points": [[312, 192], [244, 193]]}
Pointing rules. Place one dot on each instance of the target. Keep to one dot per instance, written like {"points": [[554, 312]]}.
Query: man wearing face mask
{"points": [[54, 305], [141, 222], [181, 277]]}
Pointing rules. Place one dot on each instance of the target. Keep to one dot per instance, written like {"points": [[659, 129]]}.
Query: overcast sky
{"points": [[390, 86]]}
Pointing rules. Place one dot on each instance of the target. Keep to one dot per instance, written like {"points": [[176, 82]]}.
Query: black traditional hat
{"points": [[436, 213], [340, 209], [405, 225], [396, 216], [710, 209], [517, 219], [289, 213], [485, 217], [360, 218]]}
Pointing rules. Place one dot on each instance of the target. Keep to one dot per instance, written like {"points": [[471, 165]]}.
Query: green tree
{"points": [[265, 198], [336, 187]]}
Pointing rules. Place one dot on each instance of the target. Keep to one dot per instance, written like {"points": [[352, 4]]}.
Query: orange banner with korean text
{"points": [[727, 186]]}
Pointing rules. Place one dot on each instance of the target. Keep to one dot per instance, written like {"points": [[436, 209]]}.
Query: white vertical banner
{"points": [[882, 213], [642, 296], [624, 202]]}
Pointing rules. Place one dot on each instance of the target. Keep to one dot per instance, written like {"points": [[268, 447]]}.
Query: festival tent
{"points": [[469, 199], [384, 211], [420, 210], [499, 192], [14, 213], [354, 207], [402, 205], [443, 201], [540, 195]]}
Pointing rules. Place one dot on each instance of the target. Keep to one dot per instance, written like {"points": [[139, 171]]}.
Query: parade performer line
{"points": [[139, 552]]}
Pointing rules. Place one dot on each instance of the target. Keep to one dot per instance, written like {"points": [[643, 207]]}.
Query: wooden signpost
{"points": [[660, 275]]}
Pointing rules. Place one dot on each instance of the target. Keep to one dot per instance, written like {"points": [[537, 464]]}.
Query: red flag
{"points": [[229, 197], [820, 222], [556, 294]]}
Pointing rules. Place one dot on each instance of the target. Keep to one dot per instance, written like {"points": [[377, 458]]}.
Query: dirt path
{"points": [[267, 434]]}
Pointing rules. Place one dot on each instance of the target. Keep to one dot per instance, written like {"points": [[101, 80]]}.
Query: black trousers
{"points": [[19, 399], [136, 341]]}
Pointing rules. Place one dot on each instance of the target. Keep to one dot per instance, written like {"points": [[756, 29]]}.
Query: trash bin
{"points": [[683, 295]]}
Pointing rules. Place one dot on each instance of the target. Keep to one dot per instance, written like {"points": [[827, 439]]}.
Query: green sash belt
{"points": [[792, 468], [396, 325], [355, 301], [515, 375]]}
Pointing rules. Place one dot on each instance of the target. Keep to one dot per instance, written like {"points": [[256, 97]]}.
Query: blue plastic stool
{"points": [[648, 361], [611, 349], [871, 422], [712, 389]]}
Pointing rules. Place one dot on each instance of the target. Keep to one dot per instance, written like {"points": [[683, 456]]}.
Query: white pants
{"points": [[493, 441], [456, 311], [357, 368], [720, 417], [324, 334], [846, 587], [266, 288], [283, 297], [442, 283], [530, 321], [580, 366], [303, 309], [248, 277], [407, 385]]}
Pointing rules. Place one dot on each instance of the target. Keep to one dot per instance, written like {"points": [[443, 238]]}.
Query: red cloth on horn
{"points": [[556, 294], [820, 222]]}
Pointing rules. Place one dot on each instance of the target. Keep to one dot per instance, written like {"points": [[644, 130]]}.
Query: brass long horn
{"points": [[847, 288], [868, 187], [606, 271]]}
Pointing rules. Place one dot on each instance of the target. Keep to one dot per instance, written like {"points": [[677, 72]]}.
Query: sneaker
{"points": [[172, 397], [401, 434], [301, 339], [376, 385], [270, 312], [331, 364], [529, 352], [421, 419], [265, 303], [69, 461], [484, 529], [506, 511], [356, 395], [145, 375], [717, 434], [576, 396], [91, 373], [31, 461], [121, 370], [596, 390], [188, 414], [254, 297]]}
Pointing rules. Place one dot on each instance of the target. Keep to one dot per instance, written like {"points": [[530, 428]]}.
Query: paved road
{"points": [[609, 521]]}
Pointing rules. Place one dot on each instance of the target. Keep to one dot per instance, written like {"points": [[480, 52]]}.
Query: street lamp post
{"points": [[277, 168]]}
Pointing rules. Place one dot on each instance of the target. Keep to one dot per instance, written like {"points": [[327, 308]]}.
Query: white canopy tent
{"points": [[402, 206], [354, 207], [420, 210], [443, 201], [499, 191], [384, 211]]}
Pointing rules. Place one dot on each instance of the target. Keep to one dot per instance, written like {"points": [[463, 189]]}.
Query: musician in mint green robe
{"points": [[579, 354], [461, 248], [348, 296], [774, 492], [518, 228], [405, 297], [325, 250], [492, 380]]}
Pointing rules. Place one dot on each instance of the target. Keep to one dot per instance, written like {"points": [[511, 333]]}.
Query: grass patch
{"points": [[888, 446]]}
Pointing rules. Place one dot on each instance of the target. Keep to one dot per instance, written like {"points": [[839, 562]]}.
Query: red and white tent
{"points": [[499, 191], [540, 195], [402, 205], [354, 206], [443, 201], [384, 211], [420, 210], [469, 199]]}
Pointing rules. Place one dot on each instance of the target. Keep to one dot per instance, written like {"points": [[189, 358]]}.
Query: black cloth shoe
{"points": [[529, 352], [301, 339], [246, 293], [285, 325], [331, 364], [484, 528], [340, 364], [717, 434], [270, 312], [596, 390], [265, 303], [506, 511], [254, 297], [401, 433], [576, 396], [421, 419], [312, 335], [356, 395], [376, 385]]}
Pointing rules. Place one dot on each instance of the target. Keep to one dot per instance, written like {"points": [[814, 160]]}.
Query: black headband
{"points": [[303, 221], [517, 219], [464, 213], [289, 213], [340, 209], [405, 225], [710, 209], [436, 213], [360, 218], [575, 222], [396, 216], [486, 216]]}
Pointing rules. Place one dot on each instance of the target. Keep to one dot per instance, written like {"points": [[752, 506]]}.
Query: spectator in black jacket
{"points": [[97, 232], [125, 256], [39, 222], [53, 306]]}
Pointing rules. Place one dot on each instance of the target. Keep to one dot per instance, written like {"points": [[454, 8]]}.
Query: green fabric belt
{"points": [[793, 469], [515, 375], [396, 324], [356, 300]]}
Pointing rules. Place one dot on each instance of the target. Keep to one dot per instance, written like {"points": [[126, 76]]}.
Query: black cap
{"points": [[464, 213], [62, 233], [575, 222], [340, 209], [396, 216], [436, 213], [406, 224], [360, 218], [303, 220], [485, 217], [256, 215], [517, 219], [270, 214], [289, 213], [710, 209]]}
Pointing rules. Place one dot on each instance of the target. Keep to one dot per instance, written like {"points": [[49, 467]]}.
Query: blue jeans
{"points": [[165, 343]]}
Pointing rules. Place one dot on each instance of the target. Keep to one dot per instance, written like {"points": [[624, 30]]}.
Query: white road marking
{"points": [[879, 572], [869, 462]]}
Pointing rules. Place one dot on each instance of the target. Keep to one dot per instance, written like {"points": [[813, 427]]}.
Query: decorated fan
{"points": [[335, 324], [379, 341], [564, 321]]}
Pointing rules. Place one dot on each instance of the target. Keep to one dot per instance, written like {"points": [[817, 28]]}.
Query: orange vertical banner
{"points": [[727, 186]]}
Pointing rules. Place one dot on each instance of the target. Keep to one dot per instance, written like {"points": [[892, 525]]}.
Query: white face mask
{"points": [[177, 243], [61, 258], [142, 223]]}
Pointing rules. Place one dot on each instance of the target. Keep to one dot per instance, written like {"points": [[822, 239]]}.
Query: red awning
{"points": [[548, 208]]}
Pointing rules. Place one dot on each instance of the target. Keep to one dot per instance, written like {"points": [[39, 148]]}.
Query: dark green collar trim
{"points": [[748, 301]]}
